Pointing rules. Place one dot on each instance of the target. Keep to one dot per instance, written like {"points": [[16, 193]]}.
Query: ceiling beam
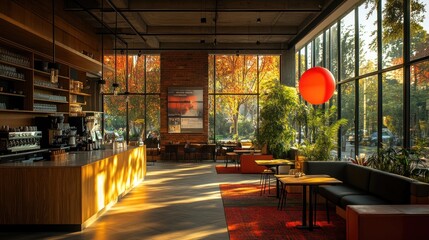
{"points": [[234, 30], [216, 6], [226, 5], [210, 46], [207, 31]]}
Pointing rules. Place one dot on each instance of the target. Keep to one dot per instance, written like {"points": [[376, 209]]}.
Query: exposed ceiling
{"points": [[214, 25]]}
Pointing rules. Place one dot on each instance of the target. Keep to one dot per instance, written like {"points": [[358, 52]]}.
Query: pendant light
{"points": [[127, 94], [101, 81], [53, 66], [317, 85], [115, 85]]}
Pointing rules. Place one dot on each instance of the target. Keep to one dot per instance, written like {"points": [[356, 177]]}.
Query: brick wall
{"points": [[183, 69]]}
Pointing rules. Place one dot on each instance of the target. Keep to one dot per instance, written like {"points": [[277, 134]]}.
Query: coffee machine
{"points": [[53, 130], [88, 130]]}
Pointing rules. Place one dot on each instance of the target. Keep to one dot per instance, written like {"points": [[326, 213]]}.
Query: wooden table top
{"points": [[274, 162], [246, 151], [309, 180], [291, 175]]}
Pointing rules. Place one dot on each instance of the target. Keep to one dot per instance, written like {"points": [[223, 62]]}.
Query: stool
{"points": [[188, 152], [231, 156], [266, 177]]}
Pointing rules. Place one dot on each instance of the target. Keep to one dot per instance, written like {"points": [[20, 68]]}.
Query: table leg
{"points": [[310, 214], [277, 182], [304, 207]]}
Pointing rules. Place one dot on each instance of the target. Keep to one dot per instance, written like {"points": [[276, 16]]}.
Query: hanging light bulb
{"points": [[53, 66], [115, 88], [101, 81], [127, 97], [54, 72]]}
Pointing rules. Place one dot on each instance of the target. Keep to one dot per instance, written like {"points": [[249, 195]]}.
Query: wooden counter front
{"points": [[67, 195]]}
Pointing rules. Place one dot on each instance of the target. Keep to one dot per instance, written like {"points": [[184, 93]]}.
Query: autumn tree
{"points": [[237, 86]]}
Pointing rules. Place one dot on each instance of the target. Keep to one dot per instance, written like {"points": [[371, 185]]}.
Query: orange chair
{"points": [[248, 164]]}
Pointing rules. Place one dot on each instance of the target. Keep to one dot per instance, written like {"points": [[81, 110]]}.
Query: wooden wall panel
{"points": [[70, 30]]}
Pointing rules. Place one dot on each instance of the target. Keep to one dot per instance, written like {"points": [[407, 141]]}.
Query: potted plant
{"points": [[398, 160], [276, 130], [322, 134]]}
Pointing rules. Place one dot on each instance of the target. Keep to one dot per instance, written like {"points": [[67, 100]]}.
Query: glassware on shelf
{"points": [[14, 58]]}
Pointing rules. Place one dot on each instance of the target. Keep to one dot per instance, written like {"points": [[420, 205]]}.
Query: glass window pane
{"points": [[419, 28], [136, 67], [347, 46], [115, 115], [236, 74], [153, 117], [328, 49], [419, 105], [367, 37], [211, 119], [153, 73], [334, 50], [318, 50], [136, 117], [348, 112], [309, 55], [393, 30], [269, 70], [297, 73], [302, 66], [211, 73], [236, 117], [368, 91], [392, 131], [109, 74]]}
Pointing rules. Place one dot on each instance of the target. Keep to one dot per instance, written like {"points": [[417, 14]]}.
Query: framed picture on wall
{"points": [[185, 110]]}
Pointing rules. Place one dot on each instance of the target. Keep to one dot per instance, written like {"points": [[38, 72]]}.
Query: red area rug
{"points": [[252, 216], [222, 170]]}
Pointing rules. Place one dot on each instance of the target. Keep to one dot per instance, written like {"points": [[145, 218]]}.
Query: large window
{"points": [[348, 112], [367, 38], [370, 38], [392, 32], [367, 131], [392, 125], [235, 83], [134, 110], [419, 105], [419, 28], [347, 46]]}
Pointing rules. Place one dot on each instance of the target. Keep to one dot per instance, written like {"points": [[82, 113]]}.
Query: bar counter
{"points": [[69, 194]]}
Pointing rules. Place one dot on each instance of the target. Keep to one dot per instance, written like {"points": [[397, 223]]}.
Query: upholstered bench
{"points": [[393, 222]]}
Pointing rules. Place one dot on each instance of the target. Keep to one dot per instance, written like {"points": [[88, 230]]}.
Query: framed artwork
{"points": [[185, 110]]}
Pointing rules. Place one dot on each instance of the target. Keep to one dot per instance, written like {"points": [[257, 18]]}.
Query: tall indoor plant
{"points": [[278, 107], [321, 133]]}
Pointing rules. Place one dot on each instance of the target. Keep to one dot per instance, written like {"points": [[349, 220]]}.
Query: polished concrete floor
{"points": [[176, 201]]}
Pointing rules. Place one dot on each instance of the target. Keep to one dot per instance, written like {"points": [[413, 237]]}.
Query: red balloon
{"points": [[317, 85]]}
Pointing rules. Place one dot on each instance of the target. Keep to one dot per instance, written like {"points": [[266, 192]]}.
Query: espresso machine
{"points": [[53, 130], [88, 130]]}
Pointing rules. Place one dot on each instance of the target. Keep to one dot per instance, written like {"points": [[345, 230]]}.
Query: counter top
{"points": [[75, 159]]}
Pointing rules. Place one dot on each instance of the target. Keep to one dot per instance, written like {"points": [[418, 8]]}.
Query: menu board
{"points": [[185, 110]]}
